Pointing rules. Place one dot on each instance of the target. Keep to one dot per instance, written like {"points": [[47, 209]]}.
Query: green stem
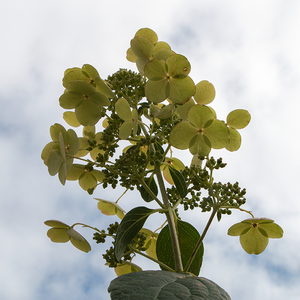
{"points": [[169, 213], [170, 219], [84, 225], [241, 209], [200, 240]]}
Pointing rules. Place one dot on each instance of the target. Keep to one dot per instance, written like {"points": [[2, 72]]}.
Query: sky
{"points": [[249, 50]]}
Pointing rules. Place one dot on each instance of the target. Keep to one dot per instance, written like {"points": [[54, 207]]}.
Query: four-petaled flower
{"points": [[255, 233]]}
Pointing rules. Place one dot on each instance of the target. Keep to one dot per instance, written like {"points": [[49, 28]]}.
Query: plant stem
{"points": [[215, 209], [170, 219], [169, 213], [84, 225]]}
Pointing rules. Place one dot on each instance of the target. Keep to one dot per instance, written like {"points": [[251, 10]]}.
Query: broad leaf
{"points": [[181, 90], [217, 133], [164, 285], [142, 47], [175, 163], [123, 109], [178, 66], [179, 181], [182, 134], [205, 92], [156, 69], [110, 208], [188, 237], [153, 187], [148, 33], [199, 115], [131, 224], [125, 130], [127, 267], [238, 118], [234, 140], [253, 242], [157, 91], [70, 118]]}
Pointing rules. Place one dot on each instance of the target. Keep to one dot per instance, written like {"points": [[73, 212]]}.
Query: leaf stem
{"points": [[170, 219], [241, 209], [84, 225], [215, 209]]}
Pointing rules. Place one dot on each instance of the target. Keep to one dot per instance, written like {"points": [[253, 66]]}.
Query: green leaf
{"points": [[46, 151], [235, 140], [131, 224], [175, 163], [179, 181], [205, 92], [142, 47], [237, 229], [72, 142], [164, 285], [81, 245], [253, 242], [87, 180], [182, 134], [74, 74], [90, 72], [273, 230], [81, 87], [99, 99], [181, 90], [125, 130], [55, 130], [58, 235], [183, 109], [156, 70], [150, 181], [89, 132], [148, 33], [160, 45], [200, 145], [54, 161], [130, 55], [238, 118], [94, 77], [163, 53], [188, 237], [127, 267], [62, 233], [123, 109], [164, 113], [74, 234], [70, 100], [157, 91], [217, 133], [75, 172], [199, 115], [70, 118], [178, 66], [56, 224], [88, 113], [141, 63], [109, 208]]}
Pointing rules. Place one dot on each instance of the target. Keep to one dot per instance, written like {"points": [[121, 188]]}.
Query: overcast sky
{"points": [[249, 50]]}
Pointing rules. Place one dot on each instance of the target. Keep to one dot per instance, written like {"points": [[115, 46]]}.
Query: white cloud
{"points": [[249, 51]]}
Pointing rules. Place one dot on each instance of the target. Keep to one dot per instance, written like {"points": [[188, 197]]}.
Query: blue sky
{"points": [[248, 50]]}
